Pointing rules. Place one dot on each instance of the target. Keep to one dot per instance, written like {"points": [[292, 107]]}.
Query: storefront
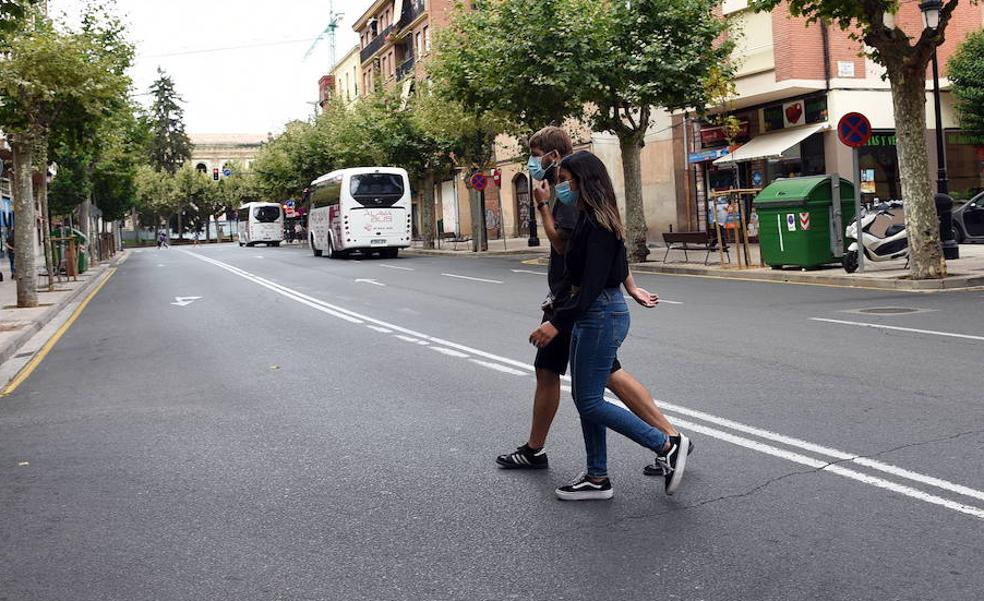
{"points": [[781, 139], [880, 166]]}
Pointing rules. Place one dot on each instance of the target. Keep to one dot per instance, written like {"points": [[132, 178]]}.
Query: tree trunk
{"points": [[476, 221], [922, 223], [427, 209], [636, 231], [85, 221], [180, 214], [25, 226]]}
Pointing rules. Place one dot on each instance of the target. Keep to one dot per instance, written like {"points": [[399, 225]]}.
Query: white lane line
{"points": [[367, 281], [838, 455], [395, 267], [379, 329], [407, 338], [498, 367], [897, 328], [465, 277], [530, 271], [449, 352]]}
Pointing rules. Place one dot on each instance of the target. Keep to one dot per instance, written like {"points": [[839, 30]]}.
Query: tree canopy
{"points": [[170, 145], [966, 71]]}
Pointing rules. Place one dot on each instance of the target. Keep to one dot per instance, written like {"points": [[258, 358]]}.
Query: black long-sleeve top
{"points": [[595, 260]]}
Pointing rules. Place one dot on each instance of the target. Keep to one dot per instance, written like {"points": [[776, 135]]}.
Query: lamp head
{"points": [[931, 12]]}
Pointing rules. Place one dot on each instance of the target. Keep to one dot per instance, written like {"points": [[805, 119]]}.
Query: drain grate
{"points": [[889, 310]]}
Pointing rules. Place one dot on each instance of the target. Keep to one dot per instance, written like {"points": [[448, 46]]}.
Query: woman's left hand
{"points": [[644, 297], [542, 336]]}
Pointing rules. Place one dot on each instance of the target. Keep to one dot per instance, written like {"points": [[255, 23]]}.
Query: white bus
{"points": [[261, 222], [365, 209]]}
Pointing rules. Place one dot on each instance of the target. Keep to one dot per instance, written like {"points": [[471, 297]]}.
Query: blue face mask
{"points": [[535, 167], [565, 194]]}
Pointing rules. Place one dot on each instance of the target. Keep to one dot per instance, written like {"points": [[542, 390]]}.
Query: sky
{"points": [[238, 64]]}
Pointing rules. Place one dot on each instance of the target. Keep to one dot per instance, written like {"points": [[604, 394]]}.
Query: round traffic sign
{"points": [[479, 181], [854, 130], [227, 172]]}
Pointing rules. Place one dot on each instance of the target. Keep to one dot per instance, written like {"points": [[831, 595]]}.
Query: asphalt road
{"points": [[315, 429]]}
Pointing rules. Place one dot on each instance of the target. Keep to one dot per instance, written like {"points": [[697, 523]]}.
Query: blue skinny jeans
{"points": [[594, 343]]}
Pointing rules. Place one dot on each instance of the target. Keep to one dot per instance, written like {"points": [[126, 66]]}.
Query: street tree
{"points": [[194, 192], [156, 200], [905, 58], [170, 146], [966, 72], [51, 79], [609, 64], [12, 15]]}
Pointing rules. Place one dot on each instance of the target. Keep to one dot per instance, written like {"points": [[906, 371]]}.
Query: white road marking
{"points": [[529, 271], [161, 265], [184, 301], [897, 328], [367, 281], [498, 367], [407, 338], [259, 256], [395, 267], [465, 277], [449, 352], [379, 329], [523, 369]]}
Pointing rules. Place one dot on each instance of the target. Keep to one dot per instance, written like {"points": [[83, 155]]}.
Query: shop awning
{"points": [[771, 146]]}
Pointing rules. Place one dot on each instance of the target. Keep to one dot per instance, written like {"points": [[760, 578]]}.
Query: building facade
{"points": [[795, 82], [215, 151]]}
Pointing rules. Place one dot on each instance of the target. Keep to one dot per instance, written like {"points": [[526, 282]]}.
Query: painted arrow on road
{"points": [[373, 282], [184, 301]]}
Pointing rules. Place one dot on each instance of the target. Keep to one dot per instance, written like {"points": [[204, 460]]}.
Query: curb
{"points": [[954, 282], [469, 253], [45, 318]]}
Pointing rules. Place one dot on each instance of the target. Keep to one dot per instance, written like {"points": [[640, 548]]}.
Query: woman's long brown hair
{"points": [[596, 193]]}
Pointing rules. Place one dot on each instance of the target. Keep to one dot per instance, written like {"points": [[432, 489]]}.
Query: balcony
{"points": [[377, 42], [405, 69], [411, 10]]}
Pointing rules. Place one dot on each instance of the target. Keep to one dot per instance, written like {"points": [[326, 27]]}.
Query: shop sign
{"points": [[882, 140], [965, 138], [715, 135], [795, 113], [711, 154]]}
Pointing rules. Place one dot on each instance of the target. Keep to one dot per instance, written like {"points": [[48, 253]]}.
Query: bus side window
{"points": [[243, 214], [327, 194]]}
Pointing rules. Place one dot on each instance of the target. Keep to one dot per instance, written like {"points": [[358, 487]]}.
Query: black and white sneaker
{"points": [[659, 467], [583, 489], [524, 458], [676, 459]]}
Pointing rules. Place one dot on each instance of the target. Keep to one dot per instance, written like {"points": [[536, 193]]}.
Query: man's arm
{"points": [[541, 194]]}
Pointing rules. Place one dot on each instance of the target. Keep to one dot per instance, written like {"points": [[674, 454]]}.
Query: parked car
{"points": [[968, 221]]}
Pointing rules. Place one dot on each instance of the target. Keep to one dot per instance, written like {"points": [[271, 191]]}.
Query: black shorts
{"points": [[555, 356]]}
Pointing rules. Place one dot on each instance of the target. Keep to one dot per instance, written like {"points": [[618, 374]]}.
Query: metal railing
{"points": [[376, 43], [411, 10]]}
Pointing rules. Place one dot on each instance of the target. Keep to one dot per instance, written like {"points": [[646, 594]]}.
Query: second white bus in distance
{"points": [[364, 209], [261, 222]]}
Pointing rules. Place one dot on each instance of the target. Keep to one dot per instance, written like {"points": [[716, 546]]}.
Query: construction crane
{"points": [[328, 34]]}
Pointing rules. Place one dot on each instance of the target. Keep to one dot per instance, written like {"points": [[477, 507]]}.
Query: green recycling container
{"points": [[81, 245], [797, 225]]}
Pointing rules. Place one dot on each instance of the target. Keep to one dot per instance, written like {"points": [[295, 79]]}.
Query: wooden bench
{"points": [[691, 241]]}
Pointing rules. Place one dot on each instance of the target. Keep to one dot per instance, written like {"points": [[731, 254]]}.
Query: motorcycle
{"points": [[893, 245]]}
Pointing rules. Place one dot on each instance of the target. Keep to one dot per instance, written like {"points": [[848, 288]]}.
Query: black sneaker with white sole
{"points": [[676, 459], [524, 458], [659, 467], [583, 489]]}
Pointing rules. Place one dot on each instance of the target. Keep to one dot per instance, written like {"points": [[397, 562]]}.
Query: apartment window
{"points": [[427, 39], [417, 43]]}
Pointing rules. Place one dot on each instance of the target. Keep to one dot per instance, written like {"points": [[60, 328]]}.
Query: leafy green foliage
{"points": [[156, 197], [170, 145], [12, 16], [966, 71]]}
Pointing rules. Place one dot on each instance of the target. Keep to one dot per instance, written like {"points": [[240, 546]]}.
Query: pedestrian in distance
{"points": [[547, 148], [9, 245], [597, 319], [162, 240]]}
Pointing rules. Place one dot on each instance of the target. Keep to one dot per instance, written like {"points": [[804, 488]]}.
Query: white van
{"points": [[261, 222], [365, 209]]}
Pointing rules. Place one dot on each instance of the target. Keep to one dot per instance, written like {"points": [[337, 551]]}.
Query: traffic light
{"points": [[215, 174]]}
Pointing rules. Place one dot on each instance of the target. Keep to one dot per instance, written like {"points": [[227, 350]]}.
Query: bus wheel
{"points": [[276, 245], [390, 253], [331, 248], [314, 249]]}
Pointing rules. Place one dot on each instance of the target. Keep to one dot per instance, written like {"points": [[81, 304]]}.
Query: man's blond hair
{"points": [[552, 138]]}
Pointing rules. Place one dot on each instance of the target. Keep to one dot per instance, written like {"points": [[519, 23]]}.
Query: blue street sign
{"points": [[756, 178], [290, 204], [854, 130], [707, 155], [227, 172]]}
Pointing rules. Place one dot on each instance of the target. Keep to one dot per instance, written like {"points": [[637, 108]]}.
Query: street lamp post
{"points": [[944, 203]]}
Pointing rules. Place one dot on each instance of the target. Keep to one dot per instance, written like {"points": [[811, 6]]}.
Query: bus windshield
{"points": [[376, 188], [266, 214]]}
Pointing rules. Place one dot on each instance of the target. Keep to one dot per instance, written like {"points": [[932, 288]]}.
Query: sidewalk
{"points": [[509, 246], [965, 272], [17, 326]]}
